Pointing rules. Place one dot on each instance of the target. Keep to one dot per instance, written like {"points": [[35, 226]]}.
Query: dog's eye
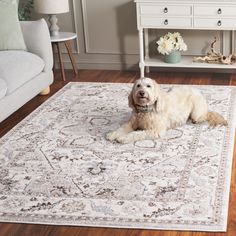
{"points": [[149, 86], [138, 85]]}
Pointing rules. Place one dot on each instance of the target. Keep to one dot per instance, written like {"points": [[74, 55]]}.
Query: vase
{"points": [[173, 57]]}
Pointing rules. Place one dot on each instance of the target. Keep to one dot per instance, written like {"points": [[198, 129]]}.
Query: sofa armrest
{"points": [[37, 40]]}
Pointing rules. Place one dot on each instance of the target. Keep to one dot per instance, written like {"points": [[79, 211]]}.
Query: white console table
{"points": [[182, 14]]}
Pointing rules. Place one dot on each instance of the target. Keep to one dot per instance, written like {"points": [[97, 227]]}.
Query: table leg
{"points": [[72, 59], [54, 49], [146, 42], [61, 62], [141, 53]]}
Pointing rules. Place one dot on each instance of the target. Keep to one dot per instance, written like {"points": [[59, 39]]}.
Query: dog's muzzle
{"points": [[141, 94]]}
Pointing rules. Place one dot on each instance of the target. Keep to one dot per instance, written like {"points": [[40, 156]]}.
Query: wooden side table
{"points": [[63, 38]]}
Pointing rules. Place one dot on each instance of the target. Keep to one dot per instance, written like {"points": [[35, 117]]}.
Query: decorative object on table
{"points": [[52, 7], [24, 10], [171, 46], [57, 167], [173, 57], [216, 57]]}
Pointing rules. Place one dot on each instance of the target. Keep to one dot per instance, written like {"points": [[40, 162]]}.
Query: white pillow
{"points": [[11, 37]]}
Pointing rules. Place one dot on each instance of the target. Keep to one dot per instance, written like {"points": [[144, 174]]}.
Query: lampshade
{"points": [[51, 6]]}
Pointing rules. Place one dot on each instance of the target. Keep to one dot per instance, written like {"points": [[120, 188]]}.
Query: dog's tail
{"points": [[214, 119]]}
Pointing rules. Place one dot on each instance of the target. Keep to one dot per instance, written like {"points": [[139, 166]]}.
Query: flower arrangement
{"points": [[171, 42]]}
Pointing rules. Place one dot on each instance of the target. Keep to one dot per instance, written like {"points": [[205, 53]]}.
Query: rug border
{"points": [[104, 225], [229, 164]]}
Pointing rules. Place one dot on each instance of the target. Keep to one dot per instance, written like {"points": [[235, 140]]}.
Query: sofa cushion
{"points": [[3, 88], [10, 30], [18, 67]]}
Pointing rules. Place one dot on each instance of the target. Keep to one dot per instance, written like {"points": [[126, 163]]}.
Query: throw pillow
{"points": [[11, 37]]}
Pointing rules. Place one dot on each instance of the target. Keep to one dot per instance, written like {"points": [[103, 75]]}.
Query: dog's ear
{"points": [[156, 86], [131, 100], [159, 104]]}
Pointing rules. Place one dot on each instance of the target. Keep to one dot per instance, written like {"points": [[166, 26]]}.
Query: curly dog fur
{"points": [[155, 111]]}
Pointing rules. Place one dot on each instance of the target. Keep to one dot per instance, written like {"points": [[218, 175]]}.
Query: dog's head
{"points": [[145, 92]]}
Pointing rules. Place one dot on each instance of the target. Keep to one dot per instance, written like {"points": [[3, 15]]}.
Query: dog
{"points": [[156, 111]]}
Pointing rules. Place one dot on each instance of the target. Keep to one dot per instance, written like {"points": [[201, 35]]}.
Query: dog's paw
{"points": [[123, 140], [111, 136]]}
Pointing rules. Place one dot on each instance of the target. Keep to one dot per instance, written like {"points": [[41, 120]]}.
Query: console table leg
{"points": [[146, 42], [142, 72], [147, 69], [141, 52]]}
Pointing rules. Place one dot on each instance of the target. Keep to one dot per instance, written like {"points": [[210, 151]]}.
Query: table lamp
{"points": [[52, 7]]}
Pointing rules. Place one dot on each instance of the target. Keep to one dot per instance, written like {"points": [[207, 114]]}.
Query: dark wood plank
{"points": [[7, 229]]}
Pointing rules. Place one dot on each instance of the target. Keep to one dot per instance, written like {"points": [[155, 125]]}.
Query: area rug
{"points": [[56, 166]]}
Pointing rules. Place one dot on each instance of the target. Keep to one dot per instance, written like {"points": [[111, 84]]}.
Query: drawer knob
{"points": [[165, 10], [219, 23], [219, 11], [166, 22]]}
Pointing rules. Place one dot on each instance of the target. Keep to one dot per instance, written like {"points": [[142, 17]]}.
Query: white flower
{"points": [[181, 45], [164, 46], [177, 35], [173, 36], [171, 42]]}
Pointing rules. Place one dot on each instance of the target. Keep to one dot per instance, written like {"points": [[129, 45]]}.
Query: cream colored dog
{"points": [[156, 111]]}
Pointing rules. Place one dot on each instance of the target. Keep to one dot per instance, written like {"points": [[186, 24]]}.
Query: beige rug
{"points": [[57, 168]]}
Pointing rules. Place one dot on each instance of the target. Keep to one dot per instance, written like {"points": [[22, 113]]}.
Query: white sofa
{"points": [[24, 74]]}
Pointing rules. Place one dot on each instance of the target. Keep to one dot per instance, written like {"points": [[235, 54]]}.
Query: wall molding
{"points": [[88, 48], [232, 42], [75, 20], [85, 26], [86, 33]]}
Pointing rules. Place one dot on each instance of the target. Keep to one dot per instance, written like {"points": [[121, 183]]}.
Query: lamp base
{"points": [[54, 28]]}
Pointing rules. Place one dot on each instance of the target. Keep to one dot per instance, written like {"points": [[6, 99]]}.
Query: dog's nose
{"points": [[141, 93]]}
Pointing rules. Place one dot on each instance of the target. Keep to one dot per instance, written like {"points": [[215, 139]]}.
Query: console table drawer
{"points": [[169, 10], [214, 23], [222, 11], [169, 22]]}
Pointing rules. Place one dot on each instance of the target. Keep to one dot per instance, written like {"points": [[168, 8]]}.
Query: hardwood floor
{"points": [[117, 76]]}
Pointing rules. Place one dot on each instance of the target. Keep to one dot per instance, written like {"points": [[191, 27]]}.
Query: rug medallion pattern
{"points": [[56, 167]]}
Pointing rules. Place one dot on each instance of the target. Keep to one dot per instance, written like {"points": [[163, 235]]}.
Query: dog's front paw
{"points": [[123, 140], [111, 136]]}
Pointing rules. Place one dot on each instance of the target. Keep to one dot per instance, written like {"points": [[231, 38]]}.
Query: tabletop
{"points": [[63, 36]]}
